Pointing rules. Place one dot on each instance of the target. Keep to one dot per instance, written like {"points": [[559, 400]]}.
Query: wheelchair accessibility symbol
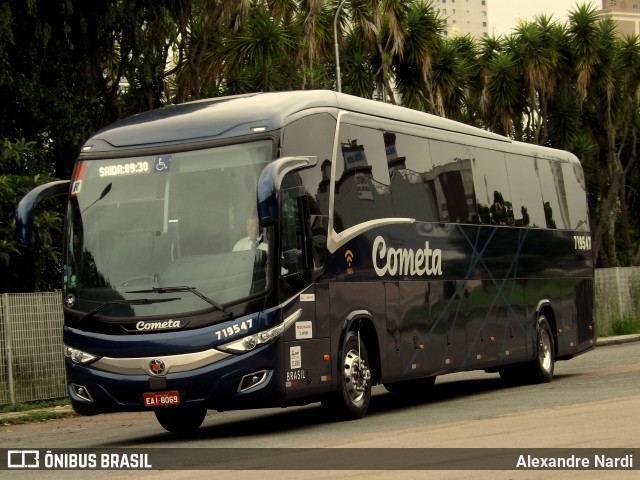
{"points": [[162, 164]]}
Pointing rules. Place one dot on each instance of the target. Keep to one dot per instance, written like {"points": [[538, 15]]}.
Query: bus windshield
{"points": [[139, 227]]}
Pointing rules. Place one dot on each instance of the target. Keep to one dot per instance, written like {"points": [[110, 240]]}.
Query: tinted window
{"points": [[362, 177], [576, 196], [409, 163], [526, 196], [452, 181], [553, 194], [312, 136], [492, 187], [291, 235]]}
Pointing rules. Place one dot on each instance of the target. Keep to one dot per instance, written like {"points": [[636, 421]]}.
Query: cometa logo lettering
{"points": [[158, 325], [405, 261]]}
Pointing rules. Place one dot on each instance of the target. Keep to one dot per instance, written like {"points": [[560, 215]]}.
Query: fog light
{"points": [[252, 380], [81, 392]]}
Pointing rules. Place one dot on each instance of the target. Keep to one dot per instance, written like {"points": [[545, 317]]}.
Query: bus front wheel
{"points": [[180, 419], [351, 400]]}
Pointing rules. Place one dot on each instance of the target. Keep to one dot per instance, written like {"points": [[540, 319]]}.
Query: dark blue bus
{"points": [[285, 248]]}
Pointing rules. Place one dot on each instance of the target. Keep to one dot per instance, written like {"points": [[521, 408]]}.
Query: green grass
{"points": [[31, 412], [625, 326], [35, 417], [28, 406]]}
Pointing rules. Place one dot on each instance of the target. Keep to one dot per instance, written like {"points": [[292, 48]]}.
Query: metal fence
{"points": [[617, 296], [32, 365]]}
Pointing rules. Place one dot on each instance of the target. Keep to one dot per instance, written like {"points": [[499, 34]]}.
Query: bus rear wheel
{"points": [[540, 369], [181, 419], [351, 400]]}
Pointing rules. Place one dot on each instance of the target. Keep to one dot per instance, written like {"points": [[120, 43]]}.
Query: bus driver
{"points": [[254, 238]]}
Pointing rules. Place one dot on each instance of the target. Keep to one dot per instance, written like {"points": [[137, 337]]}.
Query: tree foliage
{"points": [[35, 268], [69, 67]]}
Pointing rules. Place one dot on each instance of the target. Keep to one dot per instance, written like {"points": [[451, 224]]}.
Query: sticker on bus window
{"points": [[162, 164], [76, 188], [76, 181]]}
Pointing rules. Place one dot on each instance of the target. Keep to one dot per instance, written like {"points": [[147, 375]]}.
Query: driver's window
{"points": [[292, 237]]}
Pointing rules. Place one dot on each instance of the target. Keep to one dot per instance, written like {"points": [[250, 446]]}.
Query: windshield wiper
{"points": [[211, 302], [137, 301]]}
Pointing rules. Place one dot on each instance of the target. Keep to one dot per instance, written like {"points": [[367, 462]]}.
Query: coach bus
{"points": [[279, 249]]}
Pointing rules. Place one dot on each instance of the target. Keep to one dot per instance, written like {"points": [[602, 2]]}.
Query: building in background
{"points": [[626, 14], [464, 17], [481, 18]]}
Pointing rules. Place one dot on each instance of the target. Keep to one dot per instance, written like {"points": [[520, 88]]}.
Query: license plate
{"points": [[161, 399]]}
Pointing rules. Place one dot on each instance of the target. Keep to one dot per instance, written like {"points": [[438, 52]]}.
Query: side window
{"points": [[312, 135], [553, 196], [292, 233], [452, 181], [362, 178], [525, 191], [576, 193], [492, 187], [408, 160]]}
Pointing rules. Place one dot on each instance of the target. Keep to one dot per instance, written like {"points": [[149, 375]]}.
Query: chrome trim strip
{"points": [[336, 240], [355, 313], [541, 303], [332, 181], [292, 318], [173, 363]]}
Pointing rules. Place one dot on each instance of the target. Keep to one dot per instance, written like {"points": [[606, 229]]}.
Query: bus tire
{"points": [[180, 419], [417, 386], [541, 368], [351, 400]]}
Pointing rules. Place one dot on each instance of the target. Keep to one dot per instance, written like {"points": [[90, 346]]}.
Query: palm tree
{"points": [[501, 100], [583, 31], [539, 56], [468, 57], [262, 45], [358, 68], [600, 97], [201, 24], [413, 67], [449, 79], [488, 49], [627, 105], [383, 27], [315, 24]]}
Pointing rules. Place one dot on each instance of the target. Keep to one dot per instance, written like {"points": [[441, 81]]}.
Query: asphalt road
{"points": [[593, 402]]}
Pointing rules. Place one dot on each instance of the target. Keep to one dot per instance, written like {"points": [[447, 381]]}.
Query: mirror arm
{"points": [[270, 182], [25, 211]]}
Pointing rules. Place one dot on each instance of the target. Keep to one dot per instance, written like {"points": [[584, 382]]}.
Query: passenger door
{"points": [[307, 342]]}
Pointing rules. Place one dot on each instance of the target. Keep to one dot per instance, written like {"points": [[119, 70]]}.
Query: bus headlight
{"points": [[250, 342], [78, 356]]}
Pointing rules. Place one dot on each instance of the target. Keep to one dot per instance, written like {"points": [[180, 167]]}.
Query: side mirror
{"points": [[25, 211], [269, 184]]}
